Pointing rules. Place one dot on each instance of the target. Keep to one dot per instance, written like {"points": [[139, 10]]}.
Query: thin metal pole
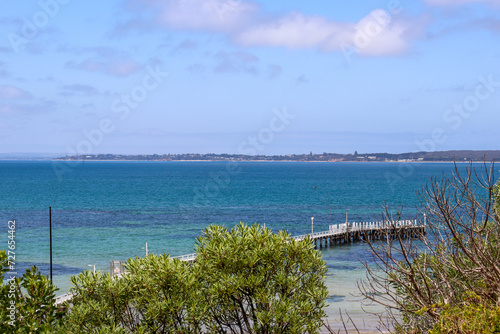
{"points": [[147, 251], [50, 236]]}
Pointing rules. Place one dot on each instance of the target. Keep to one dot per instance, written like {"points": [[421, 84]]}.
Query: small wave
{"points": [[335, 298]]}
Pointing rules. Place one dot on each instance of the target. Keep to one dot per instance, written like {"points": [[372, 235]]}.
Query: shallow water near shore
{"points": [[103, 211]]}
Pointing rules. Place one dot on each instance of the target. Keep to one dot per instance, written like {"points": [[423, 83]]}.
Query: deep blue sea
{"points": [[103, 211]]}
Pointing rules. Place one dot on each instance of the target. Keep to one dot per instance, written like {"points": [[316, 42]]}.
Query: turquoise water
{"points": [[104, 211]]}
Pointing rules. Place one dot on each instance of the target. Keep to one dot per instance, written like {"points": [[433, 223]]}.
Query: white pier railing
{"points": [[186, 258], [63, 298], [336, 229]]}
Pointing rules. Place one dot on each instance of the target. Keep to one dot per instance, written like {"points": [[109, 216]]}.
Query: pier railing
{"points": [[186, 258], [63, 298], [337, 229]]}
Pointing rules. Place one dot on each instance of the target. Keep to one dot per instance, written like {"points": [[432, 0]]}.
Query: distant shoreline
{"points": [[271, 161], [240, 161], [440, 156], [459, 156]]}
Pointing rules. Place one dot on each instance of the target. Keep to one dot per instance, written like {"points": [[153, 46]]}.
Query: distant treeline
{"points": [[413, 156]]}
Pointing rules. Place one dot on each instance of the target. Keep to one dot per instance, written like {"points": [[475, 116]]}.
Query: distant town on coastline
{"points": [[458, 156]]}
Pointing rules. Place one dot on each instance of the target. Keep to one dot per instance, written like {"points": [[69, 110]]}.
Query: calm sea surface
{"points": [[104, 211]]}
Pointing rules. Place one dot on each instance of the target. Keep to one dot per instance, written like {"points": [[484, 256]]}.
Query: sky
{"points": [[249, 77]]}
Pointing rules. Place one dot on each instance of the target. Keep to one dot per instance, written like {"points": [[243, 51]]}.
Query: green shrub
{"points": [[244, 280], [469, 319], [27, 303]]}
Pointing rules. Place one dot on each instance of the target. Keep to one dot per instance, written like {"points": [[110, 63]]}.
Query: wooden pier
{"points": [[336, 234], [356, 232]]}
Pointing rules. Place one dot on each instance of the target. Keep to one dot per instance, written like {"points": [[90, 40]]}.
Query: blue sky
{"points": [[255, 77]]}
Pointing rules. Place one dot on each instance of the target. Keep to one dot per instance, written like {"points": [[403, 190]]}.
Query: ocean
{"points": [[103, 211]]}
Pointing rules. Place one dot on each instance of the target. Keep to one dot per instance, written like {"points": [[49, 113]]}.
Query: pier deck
{"points": [[337, 234], [365, 231]]}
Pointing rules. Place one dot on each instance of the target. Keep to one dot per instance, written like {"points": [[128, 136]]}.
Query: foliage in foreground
{"points": [[448, 281], [244, 280], [31, 311], [468, 319]]}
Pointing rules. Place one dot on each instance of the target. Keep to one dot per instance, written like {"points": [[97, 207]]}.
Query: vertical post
{"points": [[50, 237], [312, 226]]}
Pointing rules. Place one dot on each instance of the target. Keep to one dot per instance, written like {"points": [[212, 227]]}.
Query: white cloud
{"points": [[212, 15], [459, 2], [115, 67], [35, 107], [377, 34], [295, 31], [79, 89], [10, 92], [102, 59], [380, 34]]}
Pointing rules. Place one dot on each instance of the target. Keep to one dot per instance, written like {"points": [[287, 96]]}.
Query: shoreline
{"points": [[420, 156], [237, 161]]}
